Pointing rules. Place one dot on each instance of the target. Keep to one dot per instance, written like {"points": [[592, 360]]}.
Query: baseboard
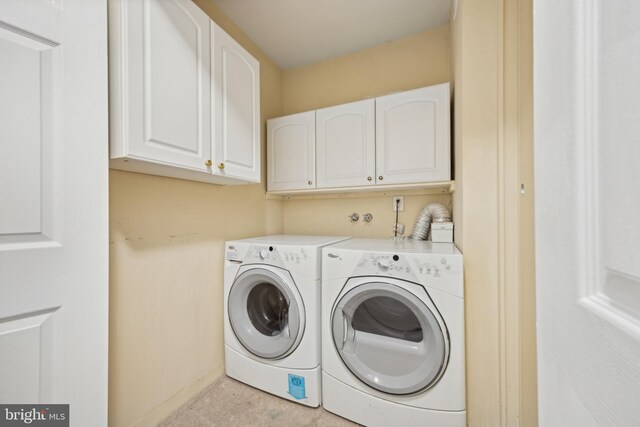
{"points": [[170, 405]]}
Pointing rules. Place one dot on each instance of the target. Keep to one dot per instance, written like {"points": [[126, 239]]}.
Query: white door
{"points": [[345, 145], [291, 150], [236, 125], [53, 205], [164, 81], [587, 157], [413, 136]]}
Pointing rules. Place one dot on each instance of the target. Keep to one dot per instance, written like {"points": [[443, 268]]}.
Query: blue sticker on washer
{"points": [[296, 387]]}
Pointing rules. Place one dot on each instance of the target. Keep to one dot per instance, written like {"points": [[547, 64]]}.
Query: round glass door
{"points": [[389, 338], [264, 313]]}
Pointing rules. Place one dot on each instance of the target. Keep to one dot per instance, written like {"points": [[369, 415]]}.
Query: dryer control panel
{"points": [[390, 265]]}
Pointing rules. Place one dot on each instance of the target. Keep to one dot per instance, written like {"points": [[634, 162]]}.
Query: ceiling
{"points": [[299, 32]]}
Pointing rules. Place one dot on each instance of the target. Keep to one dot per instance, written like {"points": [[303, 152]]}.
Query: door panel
{"points": [[586, 137], [164, 79], [412, 136], [236, 87], [345, 145], [54, 204], [291, 145], [30, 73]]}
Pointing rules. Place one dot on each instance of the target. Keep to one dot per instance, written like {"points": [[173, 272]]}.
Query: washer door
{"points": [[389, 338], [265, 312]]}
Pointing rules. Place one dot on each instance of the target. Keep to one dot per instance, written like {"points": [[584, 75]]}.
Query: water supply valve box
{"points": [[442, 232]]}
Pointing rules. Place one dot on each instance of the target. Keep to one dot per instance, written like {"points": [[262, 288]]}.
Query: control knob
{"points": [[262, 253], [383, 264]]}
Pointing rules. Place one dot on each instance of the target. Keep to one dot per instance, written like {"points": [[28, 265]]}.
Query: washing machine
{"points": [[393, 332], [272, 330]]}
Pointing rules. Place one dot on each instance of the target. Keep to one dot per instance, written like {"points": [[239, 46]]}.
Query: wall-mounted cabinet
{"points": [[345, 145], [394, 140], [291, 152], [184, 96], [413, 142]]}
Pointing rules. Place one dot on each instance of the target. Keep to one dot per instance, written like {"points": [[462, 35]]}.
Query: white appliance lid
{"points": [[298, 240], [405, 245]]}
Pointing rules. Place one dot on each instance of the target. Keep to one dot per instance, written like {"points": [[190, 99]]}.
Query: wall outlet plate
{"points": [[399, 206]]}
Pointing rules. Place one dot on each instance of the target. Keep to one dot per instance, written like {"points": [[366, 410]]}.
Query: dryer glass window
{"points": [[268, 309], [390, 339], [388, 317]]}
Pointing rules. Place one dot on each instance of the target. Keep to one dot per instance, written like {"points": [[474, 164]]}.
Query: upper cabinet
{"points": [[291, 152], [345, 145], [413, 136], [402, 139], [236, 125], [184, 97]]}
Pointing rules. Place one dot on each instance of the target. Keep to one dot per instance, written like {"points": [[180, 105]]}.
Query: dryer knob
{"points": [[263, 254], [383, 264]]}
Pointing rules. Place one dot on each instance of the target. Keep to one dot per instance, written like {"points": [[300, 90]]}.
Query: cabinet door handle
{"points": [[380, 178], [369, 178], [208, 163], [221, 166], [310, 182]]}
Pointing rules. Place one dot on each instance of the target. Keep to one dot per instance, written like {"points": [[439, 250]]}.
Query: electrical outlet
{"points": [[398, 206]]}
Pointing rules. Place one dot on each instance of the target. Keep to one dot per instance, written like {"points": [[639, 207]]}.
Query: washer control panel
{"points": [[269, 254]]}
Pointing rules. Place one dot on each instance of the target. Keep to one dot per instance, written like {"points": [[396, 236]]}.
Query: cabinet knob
{"points": [[208, 163], [380, 178], [221, 166], [369, 178], [309, 182]]}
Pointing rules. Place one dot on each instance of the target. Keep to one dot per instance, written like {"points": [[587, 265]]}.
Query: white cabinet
{"points": [[413, 136], [236, 126], [184, 97], [402, 139], [345, 145], [291, 145]]}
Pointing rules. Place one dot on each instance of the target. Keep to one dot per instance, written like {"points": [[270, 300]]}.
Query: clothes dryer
{"points": [[393, 332]]}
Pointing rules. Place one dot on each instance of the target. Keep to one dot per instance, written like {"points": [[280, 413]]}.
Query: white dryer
{"points": [[393, 332], [272, 314]]}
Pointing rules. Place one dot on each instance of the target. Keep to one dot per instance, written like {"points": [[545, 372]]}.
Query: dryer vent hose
{"points": [[433, 212]]}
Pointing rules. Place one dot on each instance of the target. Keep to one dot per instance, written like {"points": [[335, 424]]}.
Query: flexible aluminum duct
{"points": [[433, 212]]}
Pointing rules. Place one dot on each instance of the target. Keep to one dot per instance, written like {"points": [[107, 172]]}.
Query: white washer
{"points": [[393, 332], [272, 314]]}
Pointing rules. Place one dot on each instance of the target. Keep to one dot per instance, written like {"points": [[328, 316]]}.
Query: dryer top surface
{"points": [[405, 245]]}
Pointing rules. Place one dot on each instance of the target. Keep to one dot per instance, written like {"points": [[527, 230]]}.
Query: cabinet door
{"points": [[345, 145], [162, 107], [291, 148], [413, 136], [236, 124]]}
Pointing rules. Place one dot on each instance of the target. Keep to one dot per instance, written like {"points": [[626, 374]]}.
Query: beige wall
{"points": [[330, 216], [408, 63], [166, 281], [491, 41], [403, 64], [477, 104]]}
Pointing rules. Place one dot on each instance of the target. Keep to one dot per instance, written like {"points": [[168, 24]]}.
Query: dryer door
{"points": [[265, 312], [389, 338]]}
